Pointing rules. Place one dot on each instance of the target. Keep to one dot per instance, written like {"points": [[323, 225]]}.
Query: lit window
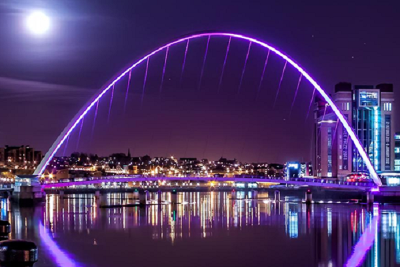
{"points": [[397, 150], [397, 168], [397, 137], [387, 106], [346, 106], [397, 162]]}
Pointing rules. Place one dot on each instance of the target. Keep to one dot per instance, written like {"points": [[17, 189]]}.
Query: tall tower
{"points": [[373, 122]]}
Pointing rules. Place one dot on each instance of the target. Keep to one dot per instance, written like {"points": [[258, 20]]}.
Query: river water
{"points": [[207, 229]]}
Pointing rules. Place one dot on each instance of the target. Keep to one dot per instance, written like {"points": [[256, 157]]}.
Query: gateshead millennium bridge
{"points": [[109, 88]]}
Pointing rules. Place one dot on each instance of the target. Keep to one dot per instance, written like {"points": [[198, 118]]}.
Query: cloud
{"points": [[26, 90]]}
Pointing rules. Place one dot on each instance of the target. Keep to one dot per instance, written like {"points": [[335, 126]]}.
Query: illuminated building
{"points": [[325, 152], [370, 110], [397, 151], [373, 122], [306, 169], [296, 169], [20, 155], [292, 170]]}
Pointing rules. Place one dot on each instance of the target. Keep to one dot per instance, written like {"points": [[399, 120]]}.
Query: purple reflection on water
{"points": [[326, 234], [363, 245], [62, 258]]}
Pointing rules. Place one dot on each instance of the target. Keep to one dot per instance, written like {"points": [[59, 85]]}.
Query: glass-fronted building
{"points": [[370, 111]]}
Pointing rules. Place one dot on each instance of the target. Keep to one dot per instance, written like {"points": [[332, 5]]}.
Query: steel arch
{"points": [[88, 106]]}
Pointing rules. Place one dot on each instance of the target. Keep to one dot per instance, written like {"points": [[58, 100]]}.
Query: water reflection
{"points": [[235, 229]]}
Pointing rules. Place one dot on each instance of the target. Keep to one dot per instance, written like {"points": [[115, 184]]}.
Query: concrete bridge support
{"points": [[159, 194], [101, 199], [308, 197], [370, 198], [136, 194], [27, 190], [174, 197], [143, 198], [277, 195]]}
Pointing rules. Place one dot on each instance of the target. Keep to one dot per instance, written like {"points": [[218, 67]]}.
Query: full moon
{"points": [[38, 22]]}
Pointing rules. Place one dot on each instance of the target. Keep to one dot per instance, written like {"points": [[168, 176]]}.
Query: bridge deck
{"points": [[314, 182]]}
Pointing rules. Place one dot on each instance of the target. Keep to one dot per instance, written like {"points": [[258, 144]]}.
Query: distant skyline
{"points": [[45, 80]]}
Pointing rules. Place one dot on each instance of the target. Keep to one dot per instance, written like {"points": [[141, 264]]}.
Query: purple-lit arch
{"points": [[89, 105]]}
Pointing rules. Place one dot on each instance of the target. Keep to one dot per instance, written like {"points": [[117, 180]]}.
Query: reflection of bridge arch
{"points": [[96, 98]]}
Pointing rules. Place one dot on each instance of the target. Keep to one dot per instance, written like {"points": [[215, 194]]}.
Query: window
{"points": [[387, 106], [397, 162], [346, 106], [397, 150], [397, 168], [397, 137]]}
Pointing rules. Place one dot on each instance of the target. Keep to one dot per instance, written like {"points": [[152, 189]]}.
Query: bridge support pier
{"points": [[136, 195], [27, 190], [143, 198], [174, 197], [308, 197], [370, 198], [101, 199], [277, 195], [159, 200]]}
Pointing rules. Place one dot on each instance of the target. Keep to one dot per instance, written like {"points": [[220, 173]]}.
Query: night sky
{"points": [[45, 80]]}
